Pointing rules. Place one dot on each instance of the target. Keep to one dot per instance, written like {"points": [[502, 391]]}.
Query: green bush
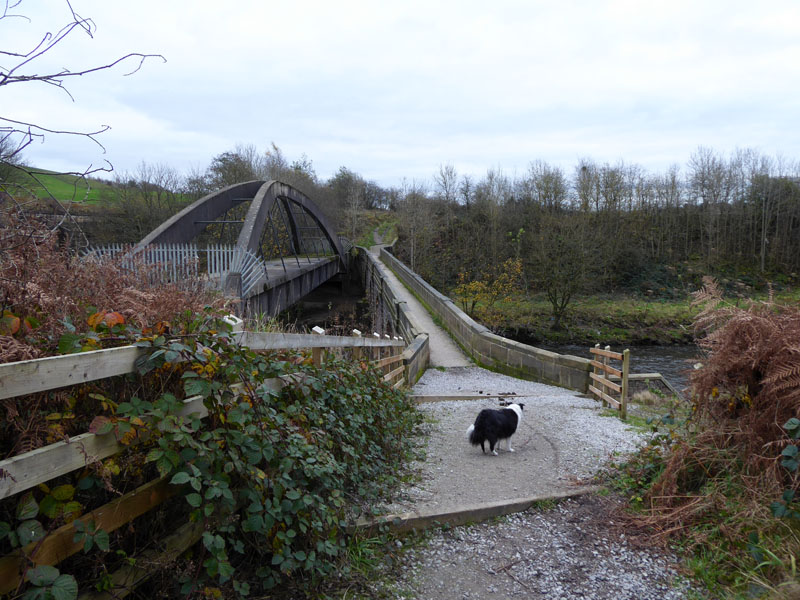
{"points": [[274, 475]]}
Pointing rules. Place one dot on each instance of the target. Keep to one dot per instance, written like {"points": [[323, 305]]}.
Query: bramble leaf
{"points": [[9, 323], [43, 575], [30, 531], [180, 478], [27, 508], [64, 588], [63, 493]]}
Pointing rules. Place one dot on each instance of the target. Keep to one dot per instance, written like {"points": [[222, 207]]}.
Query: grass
{"points": [[67, 188], [614, 319], [543, 505]]}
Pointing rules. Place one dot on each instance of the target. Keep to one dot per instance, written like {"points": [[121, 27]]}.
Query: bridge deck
{"points": [[295, 267], [281, 287], [444, 351]]}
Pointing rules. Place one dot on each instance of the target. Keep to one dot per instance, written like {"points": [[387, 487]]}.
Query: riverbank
{"points": [[614, 320]]}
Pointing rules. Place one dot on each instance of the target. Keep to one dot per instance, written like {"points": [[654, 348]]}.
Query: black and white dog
{"points": [[492, 425]]}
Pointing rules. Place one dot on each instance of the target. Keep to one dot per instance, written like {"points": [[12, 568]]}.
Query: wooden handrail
{"points": [[59, 544], [608, 353], [43, 374], [25, 471]]}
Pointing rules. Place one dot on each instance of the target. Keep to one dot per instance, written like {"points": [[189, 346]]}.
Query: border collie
{"points": [[492, 425]]}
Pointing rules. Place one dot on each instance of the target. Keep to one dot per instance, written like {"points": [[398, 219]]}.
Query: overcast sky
{"points": [[395, 89]]}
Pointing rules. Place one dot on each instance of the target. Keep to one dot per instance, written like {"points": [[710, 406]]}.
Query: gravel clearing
{"points": [[562, 441], [571, 550]]}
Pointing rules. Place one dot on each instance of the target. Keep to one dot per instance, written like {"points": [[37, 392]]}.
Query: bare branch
{"points": [[20, 183], [24, 134]]}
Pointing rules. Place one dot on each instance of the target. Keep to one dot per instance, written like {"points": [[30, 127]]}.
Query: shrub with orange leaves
{"points": [[47, 291]]}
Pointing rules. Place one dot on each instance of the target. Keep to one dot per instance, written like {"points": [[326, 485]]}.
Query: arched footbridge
{"points": [[263, 242]]}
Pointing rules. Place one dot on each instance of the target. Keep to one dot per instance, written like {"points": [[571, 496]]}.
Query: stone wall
{"points": [[488, 349]]}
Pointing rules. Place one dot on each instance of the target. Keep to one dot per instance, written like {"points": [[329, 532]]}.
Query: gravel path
{"points": [[574, 550], [571, 550], [562, 440]]}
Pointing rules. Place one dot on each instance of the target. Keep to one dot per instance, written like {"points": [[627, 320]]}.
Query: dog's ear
{"points": [[521, 405]]}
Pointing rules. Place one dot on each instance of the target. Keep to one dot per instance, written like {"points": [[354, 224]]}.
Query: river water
{"points": [[673, 362]]}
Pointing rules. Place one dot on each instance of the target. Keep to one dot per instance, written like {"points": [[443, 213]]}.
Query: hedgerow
{"points": [[273, 474]]}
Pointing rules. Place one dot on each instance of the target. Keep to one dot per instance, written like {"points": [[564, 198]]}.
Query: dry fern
{"points": [[747, 388], [42, 279]]}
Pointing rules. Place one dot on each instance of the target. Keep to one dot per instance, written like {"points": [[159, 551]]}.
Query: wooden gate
{"points": [[602, 373]]}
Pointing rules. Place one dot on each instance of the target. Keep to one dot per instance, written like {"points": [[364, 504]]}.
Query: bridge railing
{"points": [[174, 262], [489, 349], [392, 314], [27, 470]]}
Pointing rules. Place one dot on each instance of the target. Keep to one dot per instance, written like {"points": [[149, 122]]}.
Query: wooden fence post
{"points": [[606, 362], [356, 349], [316, 353], [623, 401], [596, 370]]}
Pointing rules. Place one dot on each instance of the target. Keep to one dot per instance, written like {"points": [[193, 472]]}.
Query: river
{"points": [[673, 362]]}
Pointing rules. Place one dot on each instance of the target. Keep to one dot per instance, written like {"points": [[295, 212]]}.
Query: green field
{"points": [[65, 188]]}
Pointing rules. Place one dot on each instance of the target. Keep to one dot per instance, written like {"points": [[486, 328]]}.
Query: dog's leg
{"points": [[508, 444], [491, 446]]}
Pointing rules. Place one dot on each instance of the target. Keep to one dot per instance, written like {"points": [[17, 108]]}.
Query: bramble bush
{"points": [[274, 474]]}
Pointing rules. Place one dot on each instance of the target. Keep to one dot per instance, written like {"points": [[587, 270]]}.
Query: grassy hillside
{"points": [[65, 188], [381, 221]]}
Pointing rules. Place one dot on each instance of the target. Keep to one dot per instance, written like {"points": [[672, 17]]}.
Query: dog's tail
{"points": [[474, 436]]}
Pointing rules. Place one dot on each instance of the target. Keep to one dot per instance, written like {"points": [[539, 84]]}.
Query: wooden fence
{"points": [[602, 375], [30, 469]]}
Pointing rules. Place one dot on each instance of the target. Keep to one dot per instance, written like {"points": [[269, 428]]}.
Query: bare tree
{"points": [[20, 134], [415, 220], [446, 181], [20, 67], [546, 185], [243, 163]]}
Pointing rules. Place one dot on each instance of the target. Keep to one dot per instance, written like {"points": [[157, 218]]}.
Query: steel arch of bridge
{"points": [[191, 222]]}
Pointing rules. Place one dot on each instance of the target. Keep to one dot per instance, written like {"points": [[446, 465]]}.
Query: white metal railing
{"points": [[182, 261], [222, 260]]}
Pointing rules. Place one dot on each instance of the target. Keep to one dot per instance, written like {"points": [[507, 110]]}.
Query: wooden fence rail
{"points": [[25, 471], [604, 387]]}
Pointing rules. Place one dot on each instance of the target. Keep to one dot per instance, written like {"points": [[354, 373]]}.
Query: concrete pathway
{"points": [[444, 351], [563, 439]]}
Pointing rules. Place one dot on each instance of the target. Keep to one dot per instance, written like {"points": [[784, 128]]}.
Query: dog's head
{"points": [[517, 408], [507, 404]]}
